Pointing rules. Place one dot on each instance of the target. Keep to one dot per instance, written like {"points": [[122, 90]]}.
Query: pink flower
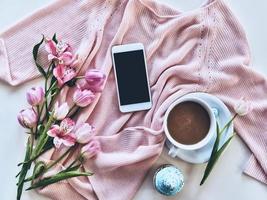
{"points": [[83, 98], [95, 80], [35, 96], [82, 84], [60, 112], [84, 133], [27, 118], [91, 149], [61, 52], [242, 107], [64, 73], [63, 134]]}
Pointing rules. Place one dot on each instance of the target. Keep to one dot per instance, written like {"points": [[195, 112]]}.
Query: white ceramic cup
{"points": [[175, 145]]}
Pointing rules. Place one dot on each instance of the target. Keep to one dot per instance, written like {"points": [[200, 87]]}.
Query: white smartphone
{"points": [[131, 77]]}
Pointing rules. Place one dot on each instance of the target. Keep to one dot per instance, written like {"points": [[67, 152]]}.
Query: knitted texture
{"points": [[202, 50]]}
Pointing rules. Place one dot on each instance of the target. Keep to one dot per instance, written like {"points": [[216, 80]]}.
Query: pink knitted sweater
{"points": [[201, 50]]}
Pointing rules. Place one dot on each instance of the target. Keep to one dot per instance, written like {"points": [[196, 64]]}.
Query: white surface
{"points": [[226, 181]]}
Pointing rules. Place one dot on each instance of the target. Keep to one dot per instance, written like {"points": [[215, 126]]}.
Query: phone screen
{"points": [[131, 77]]}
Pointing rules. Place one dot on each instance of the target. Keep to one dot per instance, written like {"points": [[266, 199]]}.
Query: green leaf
{"points": [[24, 170], [55, 38], [39, 168], [213, 160], [221, 150], [58, 177], [72, 168], [35, 55], [18, 172], [76, 167]]}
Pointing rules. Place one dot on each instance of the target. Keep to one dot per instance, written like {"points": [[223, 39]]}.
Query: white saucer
{"points": [[223, 116]]}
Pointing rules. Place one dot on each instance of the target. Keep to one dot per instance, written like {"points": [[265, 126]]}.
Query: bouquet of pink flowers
{"points": [[51, 124]]}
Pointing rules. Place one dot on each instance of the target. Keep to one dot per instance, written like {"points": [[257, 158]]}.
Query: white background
{"points": [[226, 182]]}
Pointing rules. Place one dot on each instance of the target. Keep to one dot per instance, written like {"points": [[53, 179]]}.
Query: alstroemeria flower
{"points": [[35, 96], [27, 118], [95, 80], [61, 52], [91, 149], [64, 73], [63, 134], [242, 107], [83, 98], [84, 133], [60, 112]]}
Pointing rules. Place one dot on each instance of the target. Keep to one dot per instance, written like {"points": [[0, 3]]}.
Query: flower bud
{"points": [[84, 133], [91, 149], [95, 80], [35, 96], [60, 112], [242, 107], [83, 98], [27, 118]]}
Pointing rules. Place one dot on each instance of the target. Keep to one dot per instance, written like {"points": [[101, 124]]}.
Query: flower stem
{"points": [[32, 140], [80, 77], [59, 159], [53, 98], [71, 109], [73, 162], [227, 124], [44, 137], [50, 166]]}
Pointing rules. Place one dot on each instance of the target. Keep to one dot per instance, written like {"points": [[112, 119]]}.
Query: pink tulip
{"points": [[27, 118], [84, 133], [64, 73], [35, 96], [83, 98], [91, 149], [60, 112], [63, 134], [95, 80], [82, 84]]}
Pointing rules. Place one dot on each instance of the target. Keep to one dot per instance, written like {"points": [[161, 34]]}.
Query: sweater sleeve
{"points": [[233, 78], [68, 18]]}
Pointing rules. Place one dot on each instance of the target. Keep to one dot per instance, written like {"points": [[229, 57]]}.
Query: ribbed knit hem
{"points": [[4, 66], [254, 170]]}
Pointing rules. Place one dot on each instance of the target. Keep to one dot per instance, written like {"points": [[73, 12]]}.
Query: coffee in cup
{"points": [[189, 123]]}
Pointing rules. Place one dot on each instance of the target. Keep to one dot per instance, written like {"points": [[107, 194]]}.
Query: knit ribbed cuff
{"points": [[254, 169], [4, 65]]}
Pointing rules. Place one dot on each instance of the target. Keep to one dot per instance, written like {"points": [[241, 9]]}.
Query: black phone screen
{"points": [[131, 77]]}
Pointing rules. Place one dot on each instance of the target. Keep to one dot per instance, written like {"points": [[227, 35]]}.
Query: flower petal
{"points": [[58, 72], [54, 131], [67, 58], [57, 142], [60, 112], [83, 98], [51, 47], [84, 133], [67, 125], [69, 140], [91, 149]]}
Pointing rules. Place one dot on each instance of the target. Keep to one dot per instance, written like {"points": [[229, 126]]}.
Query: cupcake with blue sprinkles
{"points": [[168, 180]]}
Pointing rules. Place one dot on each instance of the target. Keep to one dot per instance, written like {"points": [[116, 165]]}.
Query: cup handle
{"points": [[173, 151], [215, 112]]}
